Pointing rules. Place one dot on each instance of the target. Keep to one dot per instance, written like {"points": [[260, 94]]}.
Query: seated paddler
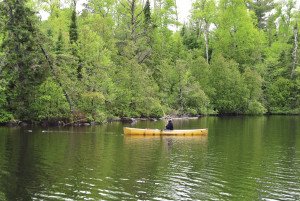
{"points": [[169, 126]]}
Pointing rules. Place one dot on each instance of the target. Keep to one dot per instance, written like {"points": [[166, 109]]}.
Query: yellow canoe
{"points": [[139, 131]]}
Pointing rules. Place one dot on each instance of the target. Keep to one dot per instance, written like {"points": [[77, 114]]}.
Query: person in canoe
{"points": [[169, 126]]}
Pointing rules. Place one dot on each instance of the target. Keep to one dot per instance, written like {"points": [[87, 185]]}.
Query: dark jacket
{"points": [[169, 126]]}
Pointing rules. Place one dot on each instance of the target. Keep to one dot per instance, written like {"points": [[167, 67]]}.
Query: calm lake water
{"points": [[242, 158]]}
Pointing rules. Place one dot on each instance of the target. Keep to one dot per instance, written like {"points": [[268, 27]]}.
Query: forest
{"points": [[133, 58]]}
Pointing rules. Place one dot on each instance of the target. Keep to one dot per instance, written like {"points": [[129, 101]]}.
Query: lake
{"points": [[242, 158]]}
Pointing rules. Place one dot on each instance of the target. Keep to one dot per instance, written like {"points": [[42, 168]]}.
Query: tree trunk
{"points": [[57, 79], [176, 13], [206, 31], [295, 51]]}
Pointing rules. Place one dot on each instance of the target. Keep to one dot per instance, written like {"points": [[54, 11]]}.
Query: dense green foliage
{"points": [[120, 58]]}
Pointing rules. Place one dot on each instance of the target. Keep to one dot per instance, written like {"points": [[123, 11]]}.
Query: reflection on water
{"points": [[144, 140], [242, 158]]}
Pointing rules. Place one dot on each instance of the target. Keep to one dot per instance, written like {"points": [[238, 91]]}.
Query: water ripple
{"points": [[232, 163]]}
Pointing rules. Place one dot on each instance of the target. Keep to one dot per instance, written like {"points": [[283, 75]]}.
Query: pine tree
{"points": [[73, 34], [24, 63], [262, 9], [147, 14], [73, 28], [59, 43]]}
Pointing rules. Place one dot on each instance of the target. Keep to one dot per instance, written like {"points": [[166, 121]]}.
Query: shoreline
{"points": [[130, 120], [18, 123]]}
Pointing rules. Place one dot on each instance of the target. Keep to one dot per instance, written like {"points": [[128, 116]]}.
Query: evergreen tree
{"points": [[5, 115], [190, 37], [73, 32], [24, 63], [59, 43], [262, 9], [147, 14]]}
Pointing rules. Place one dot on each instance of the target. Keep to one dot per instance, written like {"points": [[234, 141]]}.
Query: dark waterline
{"points": [[242, 158]]}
